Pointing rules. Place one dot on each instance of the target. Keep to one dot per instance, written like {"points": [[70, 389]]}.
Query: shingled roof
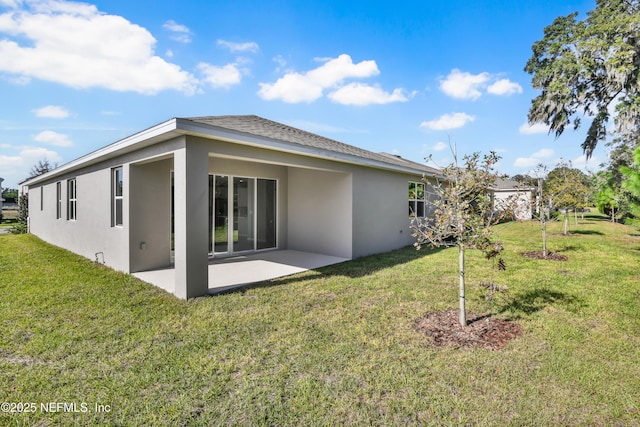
{"points": [[264, 128]]}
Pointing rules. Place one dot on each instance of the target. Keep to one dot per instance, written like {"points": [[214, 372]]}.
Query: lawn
{"points": [[334, 346]]}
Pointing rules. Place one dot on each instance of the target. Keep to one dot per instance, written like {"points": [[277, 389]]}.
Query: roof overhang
{"points": [[176, 127]]}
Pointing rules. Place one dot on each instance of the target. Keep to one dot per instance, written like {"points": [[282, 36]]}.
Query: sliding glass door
{"points": [[266, 217], [242, 214]]}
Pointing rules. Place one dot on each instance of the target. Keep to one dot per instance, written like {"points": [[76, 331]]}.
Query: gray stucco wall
{"points": [[380, 211], [91, 233], [320, 212], [150, 218]]}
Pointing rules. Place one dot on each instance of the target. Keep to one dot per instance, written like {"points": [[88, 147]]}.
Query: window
{"points": [[42, 198], [58, 200], [417, 199], [71, 199], [117, 197]]}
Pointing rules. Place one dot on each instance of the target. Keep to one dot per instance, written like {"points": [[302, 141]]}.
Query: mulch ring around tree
{"points": [[485, 332], [551, 256]]}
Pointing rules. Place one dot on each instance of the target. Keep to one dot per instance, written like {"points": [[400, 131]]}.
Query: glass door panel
{"points": [[220, 214], [243, 214], [266, 217]]}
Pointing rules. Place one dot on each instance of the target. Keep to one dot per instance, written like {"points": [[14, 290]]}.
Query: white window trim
{"points": [[414, 201], [58, 200], [72, 199], [115, 197]]}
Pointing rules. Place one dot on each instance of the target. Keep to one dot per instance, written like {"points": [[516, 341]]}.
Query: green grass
{"points": [[329, 347]]}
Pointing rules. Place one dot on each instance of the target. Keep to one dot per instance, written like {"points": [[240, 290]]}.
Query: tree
{"points": [[611, 199], [43, 166], [463, 213], [590, 68], [23, 215], [542, 209], [568, 189], [632, 185]]}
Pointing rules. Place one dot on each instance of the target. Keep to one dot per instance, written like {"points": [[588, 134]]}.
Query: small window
{"points": [[117, 197], [58, 200], [71, 199], [417, 200], [42, 198]]}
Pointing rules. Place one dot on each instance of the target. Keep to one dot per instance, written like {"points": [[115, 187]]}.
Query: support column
{"points": [[191, 202]]}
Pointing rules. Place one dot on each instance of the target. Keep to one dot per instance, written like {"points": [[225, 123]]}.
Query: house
{"points": [[522, 196], [192, 190]]}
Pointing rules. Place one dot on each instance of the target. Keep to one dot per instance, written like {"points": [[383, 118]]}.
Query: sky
{"points": [[410, 78]]}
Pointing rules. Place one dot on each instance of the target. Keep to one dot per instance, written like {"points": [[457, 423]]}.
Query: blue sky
{"points": [[399, 77]]}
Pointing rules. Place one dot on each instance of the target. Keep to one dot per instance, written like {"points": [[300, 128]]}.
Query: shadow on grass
{"points": [[538, 299], [353, 269], [568, 248], [587, 232]]}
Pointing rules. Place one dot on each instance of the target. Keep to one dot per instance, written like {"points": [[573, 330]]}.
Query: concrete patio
{"points": [[242, 270]]}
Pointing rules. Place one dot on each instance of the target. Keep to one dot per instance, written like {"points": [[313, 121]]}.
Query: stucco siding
{"points": [[380, 215], [320, 212], [150, 215], [90, 234]]}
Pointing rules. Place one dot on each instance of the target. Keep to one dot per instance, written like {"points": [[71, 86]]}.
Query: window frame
{"points": [[72, 199], [117, 209], [417, 199], [59, 200]]}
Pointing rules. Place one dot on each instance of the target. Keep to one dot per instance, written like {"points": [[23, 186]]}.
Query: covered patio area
{"points": [[243, 270]]}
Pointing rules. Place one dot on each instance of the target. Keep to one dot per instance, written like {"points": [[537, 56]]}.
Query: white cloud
{"points": [[463, 85], [440, 146], [362, 94], [173, 26], [10, 3], [239, 47], [220, 77], [581, 162], [535, 159], [504, 87], [182, 32], [448, 121], [296, 87], [53, 138], [544, 153], [280, 61], [528, 129], [8, 161], [31, 155], [52, 112], [76, 45]]}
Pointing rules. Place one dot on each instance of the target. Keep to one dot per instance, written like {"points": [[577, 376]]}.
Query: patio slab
{"points": [[242, 270]]}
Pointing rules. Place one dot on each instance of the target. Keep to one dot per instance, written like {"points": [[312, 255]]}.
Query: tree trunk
{"points": [[463, 313], [566, 222], [544, 238]]}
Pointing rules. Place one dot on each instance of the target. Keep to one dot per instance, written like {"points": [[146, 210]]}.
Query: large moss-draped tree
{"points": [[590, 69]]}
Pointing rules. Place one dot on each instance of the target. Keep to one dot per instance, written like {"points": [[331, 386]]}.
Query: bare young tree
{"points": [[43, 166], [463, 213]]}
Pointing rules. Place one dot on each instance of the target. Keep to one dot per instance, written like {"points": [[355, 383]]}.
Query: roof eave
{"points": [[243, 138], [179, 126], [138, 140]]}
